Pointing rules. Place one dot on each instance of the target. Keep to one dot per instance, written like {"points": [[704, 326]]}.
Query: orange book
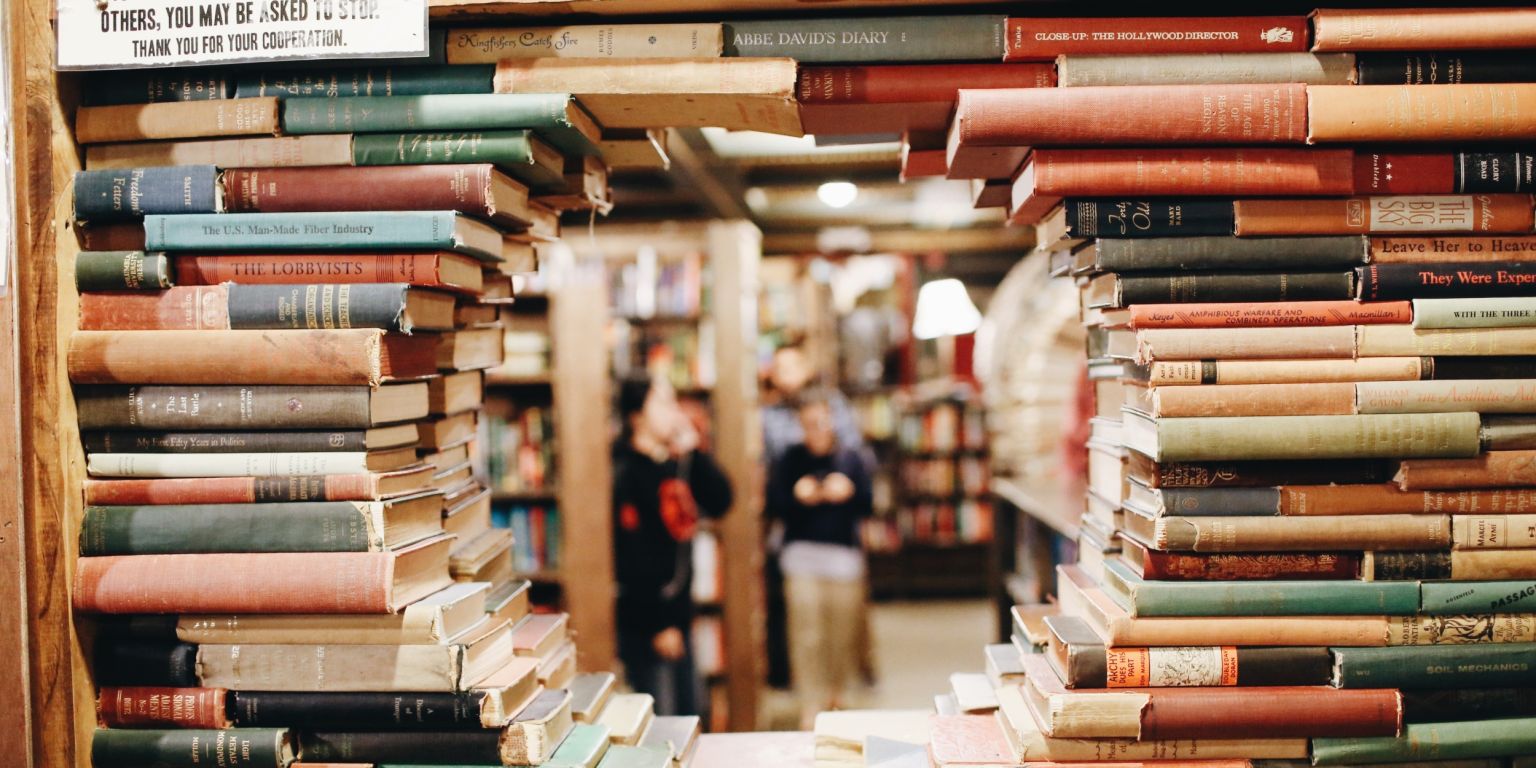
{"points": [[1439, 250], [1422, 29], [353, 356], [1268, 314], [1430, 214], [1421, 113]]}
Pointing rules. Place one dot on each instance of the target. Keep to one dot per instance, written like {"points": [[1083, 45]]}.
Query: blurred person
{"points": [[790, 374], [662, 484], [820, 491]]}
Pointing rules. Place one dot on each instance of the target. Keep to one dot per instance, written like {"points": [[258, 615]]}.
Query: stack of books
{"points": [[1309, 530], [278, 377]]}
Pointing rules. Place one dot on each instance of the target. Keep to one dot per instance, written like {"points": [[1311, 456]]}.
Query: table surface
{"points": [[770, 749]]}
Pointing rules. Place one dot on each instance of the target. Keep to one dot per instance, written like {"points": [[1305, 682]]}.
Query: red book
{"points": [[157, 707], [1141, 116], [1267, 314], [904, 84], [255, 490], [1153, 564], [1043, 39], [475, 189], [434, 269], [1214, 171], [1399, 173]]}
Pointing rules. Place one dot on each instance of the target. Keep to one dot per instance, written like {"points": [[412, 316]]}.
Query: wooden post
{"points": [[51, 465], [577, 317], [735, 249]]}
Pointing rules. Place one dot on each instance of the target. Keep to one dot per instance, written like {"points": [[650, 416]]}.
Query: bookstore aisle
{"points": [[1108, 389]]}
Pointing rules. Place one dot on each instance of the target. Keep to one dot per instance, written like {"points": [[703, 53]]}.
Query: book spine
{"points": [[489, 45], [1509, 433], [213, 528], [152, 707], [1447, 435], [1032, 39], [286, 269], [1282, 712], [156, 85], [267, 152], [1394, 213], [122, 236], [1263, 534], [1421, 113], [288, 582], [507, 149], [1315, 399], [1423, 742], [1474, 313], [1482, 629], [1483, 396], [1075, 71], [1267, 598], [1191, 172], [1252, 286], [233, 747], [339, 668], [1421, 250], [179, 120], [370, 305], [1413, 281], [1492, 565], [426, 747], [1441, 666], [211, 357], [1493, 469], [163, 664], [463, 188], [315, 441], [1516, 531], [1162, 344], [1442, 174], [1454, 598], [1184, 566], [362, 711], [330, 83], [185, 308], [1221, 501], [223, 464], [122, 271], [229, 490], [1262, 473], [451, 112], [1179, 115], [1448, 368], [1148, 218], [1289, 371], [221, 407], [908, 84], [1443, 68], [1421, 29], [885, 39], [1468, 704], [1405, 566], [1260, 254], [1211, 666], [278, 231], [130, 194], [1268, 315], [1400, 340]]}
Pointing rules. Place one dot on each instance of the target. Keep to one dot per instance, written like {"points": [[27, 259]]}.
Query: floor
{"points": [[918, 645]]}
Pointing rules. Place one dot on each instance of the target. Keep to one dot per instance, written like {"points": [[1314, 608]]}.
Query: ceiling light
{"points": [[838, 194], [944, 309]]}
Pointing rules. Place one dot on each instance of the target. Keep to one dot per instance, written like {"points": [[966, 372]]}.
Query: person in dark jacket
{"points": [[662, 485], [821, 492]]}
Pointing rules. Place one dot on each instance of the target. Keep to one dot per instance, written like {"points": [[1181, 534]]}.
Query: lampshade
{"points": [[944, 309]]}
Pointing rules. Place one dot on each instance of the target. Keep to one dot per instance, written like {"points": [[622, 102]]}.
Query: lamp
{"points": [[944, 309], [837, 194]]}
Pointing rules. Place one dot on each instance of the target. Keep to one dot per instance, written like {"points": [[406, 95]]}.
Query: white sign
{"points": [[125, 34]]}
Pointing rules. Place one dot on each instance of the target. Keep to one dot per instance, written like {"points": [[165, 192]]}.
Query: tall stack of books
{"points": [[1310, 533], [278, 378]]}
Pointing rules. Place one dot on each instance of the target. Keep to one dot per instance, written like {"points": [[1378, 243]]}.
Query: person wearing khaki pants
{"points": [[821, 492]]}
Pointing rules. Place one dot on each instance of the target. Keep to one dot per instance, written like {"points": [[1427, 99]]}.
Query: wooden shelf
{"points": [[1054, 512]]}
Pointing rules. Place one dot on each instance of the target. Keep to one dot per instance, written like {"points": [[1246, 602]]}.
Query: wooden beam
{"points": [[735, 252], [700, 169], [1017, 240]]}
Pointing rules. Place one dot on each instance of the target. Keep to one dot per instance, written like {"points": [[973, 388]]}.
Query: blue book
{"points": [[338, 231], [129, 194], [555, 117], [1458, 598]]}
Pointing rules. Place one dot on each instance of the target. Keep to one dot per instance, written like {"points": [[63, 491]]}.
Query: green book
{"points": [[1493, 665], [555, 117], [1432, 741], [122, 271], [877, 39], [191, 748], [338, 82], [1455, 598], [1258, 598], [324, 231], [174, 529], [583, 747], [620, 756], [521, 154]]}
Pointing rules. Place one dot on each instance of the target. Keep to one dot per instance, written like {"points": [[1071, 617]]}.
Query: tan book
{"points": [[443, 431], [736, 94], [509, 602], [1422, 29], [558, 667], [264, 152], [590, 694], [1439, 250], [1481, 395], [1083, 598], [1423, 113], [1365, 436], [470, 349], [436, 618], [1492, 564], [841, 734], [1020, 721], [973, 692], [1031, 620], [1487, 531], [471, 516], [449, 667], [537, 730], [454, 392], [506, 691], [1205, 68], [1402, 340], [177, 120], [1187, 372], [1292, 533], [540, 634], [1320, 399], [474, 556], [1162, 344], [488, 45], [627, 716], [677, 734], [635, 148], [1491, 469], [1462, 630]]}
